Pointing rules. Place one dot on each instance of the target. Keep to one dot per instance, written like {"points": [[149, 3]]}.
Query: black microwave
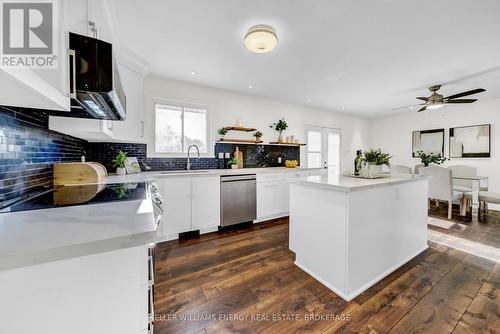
{"points": [[96, 90]]}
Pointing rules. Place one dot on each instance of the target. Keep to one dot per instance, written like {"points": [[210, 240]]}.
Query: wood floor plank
{"points": [[388, 306], [216, 273], [441, 309], [483, 314]]}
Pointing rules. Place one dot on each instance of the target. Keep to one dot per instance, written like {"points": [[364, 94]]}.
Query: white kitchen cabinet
{"points": [[190, 203], [40, 88], [132, 128], [99, 293], [272, 199], [273, 192], [205, 202], [176, 192]]}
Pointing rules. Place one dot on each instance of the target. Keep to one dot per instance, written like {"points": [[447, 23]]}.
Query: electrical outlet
{"points": [[221, 155], [228, 155]]}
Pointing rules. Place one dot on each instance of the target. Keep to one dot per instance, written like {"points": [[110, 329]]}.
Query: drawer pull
{"points": [[151, 271]]}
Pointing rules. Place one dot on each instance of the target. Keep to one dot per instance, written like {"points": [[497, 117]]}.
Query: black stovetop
{"points": [[63, 196]]}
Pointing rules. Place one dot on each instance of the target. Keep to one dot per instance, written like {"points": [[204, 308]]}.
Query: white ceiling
{"points": [[354, 56]]}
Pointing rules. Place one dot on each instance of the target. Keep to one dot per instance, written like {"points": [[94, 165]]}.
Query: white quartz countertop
{"points": [[347, 184], [37, 236], [153, 175]]}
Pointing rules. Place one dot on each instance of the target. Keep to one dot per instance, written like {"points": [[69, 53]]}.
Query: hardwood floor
{"points": [[244, 281]]}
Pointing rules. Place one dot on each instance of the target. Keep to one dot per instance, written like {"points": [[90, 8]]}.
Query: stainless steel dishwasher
{"points": [[238, 199]]}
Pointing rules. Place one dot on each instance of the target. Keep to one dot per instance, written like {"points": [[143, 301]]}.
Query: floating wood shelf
{"points": [[239, 128], [245, 141], [286, 144]]}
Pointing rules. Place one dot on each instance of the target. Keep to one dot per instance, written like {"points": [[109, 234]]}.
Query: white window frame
{"points": [[210, 136], [324, 144]]}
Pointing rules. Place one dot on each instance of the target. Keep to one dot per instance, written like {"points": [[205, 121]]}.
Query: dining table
{"points": [[476, 187]]}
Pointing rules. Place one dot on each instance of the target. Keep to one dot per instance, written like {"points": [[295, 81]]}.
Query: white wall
{"points": [[393, 134], [256, 112]]}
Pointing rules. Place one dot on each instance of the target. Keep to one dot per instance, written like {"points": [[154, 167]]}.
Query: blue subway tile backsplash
{"points": [[253, 156], [28, 150]]}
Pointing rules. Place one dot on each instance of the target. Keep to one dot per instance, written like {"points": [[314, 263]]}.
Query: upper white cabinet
{"points": [[132, 128], [41, 88]]}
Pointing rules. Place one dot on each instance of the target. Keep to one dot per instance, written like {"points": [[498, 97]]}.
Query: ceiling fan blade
{"points": [[423, 98], [462, 101], [424, 108], [469, 92], [410, 106]]}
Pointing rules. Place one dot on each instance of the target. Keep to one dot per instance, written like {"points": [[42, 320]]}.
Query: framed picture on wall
{"points": [[470, 141], [428, 141]]}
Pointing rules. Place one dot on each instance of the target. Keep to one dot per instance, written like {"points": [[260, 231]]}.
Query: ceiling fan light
{"points": [[261, 39], [435, 106]]}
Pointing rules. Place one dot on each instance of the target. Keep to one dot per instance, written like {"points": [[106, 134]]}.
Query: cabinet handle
{"points": [[142, 129], [151, 271], [72, 54], [271, 186], [151, 315]]}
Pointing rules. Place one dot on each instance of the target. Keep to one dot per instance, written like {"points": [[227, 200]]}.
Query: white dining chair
{"points": [[441, 186], [400, 169], [463, 170]]}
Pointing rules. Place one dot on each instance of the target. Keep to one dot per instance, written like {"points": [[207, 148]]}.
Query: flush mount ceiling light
{"points": [[261, 39]]}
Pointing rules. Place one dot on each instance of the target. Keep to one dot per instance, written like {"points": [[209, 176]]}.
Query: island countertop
{"points": [[347, 184]]}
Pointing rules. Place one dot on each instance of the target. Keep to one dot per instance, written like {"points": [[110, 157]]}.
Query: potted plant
{"points": [[233, 162], [376, 160], [221, 132], [257, 135], [279, 126], [119, 163], [431, 158]]}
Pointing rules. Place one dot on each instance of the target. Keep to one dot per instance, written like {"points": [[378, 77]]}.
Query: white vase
{"points": [[280, 138], [121, 171], [375, 169], [235, 166]]}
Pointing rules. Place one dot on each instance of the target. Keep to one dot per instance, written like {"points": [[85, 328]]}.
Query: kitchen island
{"points": [[349, 233]]}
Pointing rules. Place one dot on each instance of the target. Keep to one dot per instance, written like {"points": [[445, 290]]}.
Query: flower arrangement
{"points": [[119, 162], [257, 135], [376, 157], [431, 158], [280, 126], [221, 132]]}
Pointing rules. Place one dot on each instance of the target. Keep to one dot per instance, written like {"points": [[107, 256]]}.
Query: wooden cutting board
{"points": [[239, 156]]}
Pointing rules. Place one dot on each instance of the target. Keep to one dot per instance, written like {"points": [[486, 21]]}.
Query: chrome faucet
{"points": [[188, 166]]}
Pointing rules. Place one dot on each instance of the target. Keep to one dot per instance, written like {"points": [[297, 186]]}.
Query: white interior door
{"points": [[323, 148]]}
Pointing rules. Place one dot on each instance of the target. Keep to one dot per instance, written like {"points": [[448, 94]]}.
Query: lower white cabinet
{"points": [[176, 192], [272, 199], [100, 293], [273, 192], [190, 203], [205, 202]]}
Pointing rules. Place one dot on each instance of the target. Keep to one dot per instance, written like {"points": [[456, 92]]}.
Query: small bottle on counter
{"points": [[358, 162]]}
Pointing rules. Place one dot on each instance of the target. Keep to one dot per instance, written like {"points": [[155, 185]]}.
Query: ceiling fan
{"points": [[437, 100]]}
